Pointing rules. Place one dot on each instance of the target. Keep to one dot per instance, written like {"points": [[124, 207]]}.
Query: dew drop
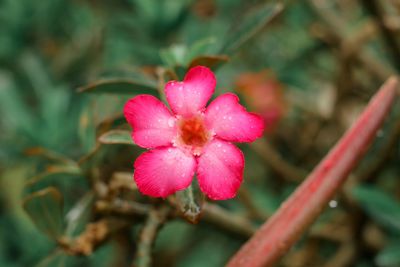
{"points": [[333, 203], [171, 122]]}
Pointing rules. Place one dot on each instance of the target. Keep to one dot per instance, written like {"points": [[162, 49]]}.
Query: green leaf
{"points": [[252, 23], [174, 55], [116, 137], [120, 86], [55, 259], [389, 256], [383, 208], [109, 123], [45, 208], [199, 48], [54, 170], [78, 213], [50, 155], [86, 129], [12, 105]]}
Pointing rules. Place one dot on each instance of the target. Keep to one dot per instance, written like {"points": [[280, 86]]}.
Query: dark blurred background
{"points": [[309, 69]]}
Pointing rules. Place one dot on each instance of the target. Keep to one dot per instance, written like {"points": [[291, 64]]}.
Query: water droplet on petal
{"points": [[171, 122]]}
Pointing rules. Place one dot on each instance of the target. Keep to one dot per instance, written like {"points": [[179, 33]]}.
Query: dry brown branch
{"points": [[155, 219], [337, 28], [274, 160], [94, 235], [375, 9], [227, 221], [122, 207]]}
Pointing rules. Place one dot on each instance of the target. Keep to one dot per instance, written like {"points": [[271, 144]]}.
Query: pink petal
{"points": [[230, 120], [163, 171], [153, 124], [192, 94], [220, 170]]}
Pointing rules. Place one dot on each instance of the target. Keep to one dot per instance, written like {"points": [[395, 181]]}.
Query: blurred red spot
{"points": [[264, 93]]}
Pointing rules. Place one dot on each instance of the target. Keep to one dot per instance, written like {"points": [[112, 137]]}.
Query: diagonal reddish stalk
{"points": [[279, 233]]}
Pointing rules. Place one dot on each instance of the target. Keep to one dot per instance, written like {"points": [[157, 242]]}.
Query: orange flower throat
{"points": [[193, 132]]}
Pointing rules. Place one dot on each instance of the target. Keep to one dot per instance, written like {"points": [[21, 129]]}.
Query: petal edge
{"points": [[220, 170], [163, 171], [152, 123], [230, 120], [192, 94]]}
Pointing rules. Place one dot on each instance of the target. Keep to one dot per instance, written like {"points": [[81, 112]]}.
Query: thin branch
{"points": [[294, 216], [275, 161], [94, 235], [374, 8], [245, 197], [220, 217], [119, 206], [338, 28], [155, 219]]}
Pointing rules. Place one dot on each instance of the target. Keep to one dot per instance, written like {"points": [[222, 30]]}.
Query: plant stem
{"points": [[227, 221], [337, 27], [390, 38], [155, 219], [274, 160], [285, 227]]}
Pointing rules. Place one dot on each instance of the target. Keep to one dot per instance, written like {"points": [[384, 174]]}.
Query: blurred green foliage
{"points": [[52, 137]]}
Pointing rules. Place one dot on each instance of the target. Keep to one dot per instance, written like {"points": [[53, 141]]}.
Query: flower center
{"points": [[193, 133]]}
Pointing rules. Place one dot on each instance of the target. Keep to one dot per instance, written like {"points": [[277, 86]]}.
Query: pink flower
{"points": [[191, 139]]}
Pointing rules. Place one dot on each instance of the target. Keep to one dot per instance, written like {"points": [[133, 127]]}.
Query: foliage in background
{"points": [[70, 155]]}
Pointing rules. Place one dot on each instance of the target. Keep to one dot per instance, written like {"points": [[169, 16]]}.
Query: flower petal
{"points": [[192, 94], [220, 170], [163, 171], [230, 120], [153, 124]]}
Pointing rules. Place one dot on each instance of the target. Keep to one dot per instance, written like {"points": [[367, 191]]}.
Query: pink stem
{"points": [[284, 228]]}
